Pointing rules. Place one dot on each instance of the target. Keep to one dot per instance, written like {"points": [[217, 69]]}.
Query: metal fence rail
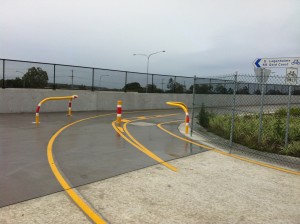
{"points": [[20, 74], [244, 116]]}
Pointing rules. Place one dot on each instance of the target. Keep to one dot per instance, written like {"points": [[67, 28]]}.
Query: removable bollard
{"points": [[187, 121], [70, 108], [37, 114], [119, 111]]}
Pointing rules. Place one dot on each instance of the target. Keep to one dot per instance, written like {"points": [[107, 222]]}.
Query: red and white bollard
{"points": [[119, 111], [37, 114], [187, 121], [70, 108]]}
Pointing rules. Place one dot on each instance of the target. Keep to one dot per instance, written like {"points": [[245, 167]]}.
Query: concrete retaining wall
{"points": [[26, 100], [215, 100]]}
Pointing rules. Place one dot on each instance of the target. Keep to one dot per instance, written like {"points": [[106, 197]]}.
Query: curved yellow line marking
{"points": [[139, 146], [225, 153], [71, 192]]}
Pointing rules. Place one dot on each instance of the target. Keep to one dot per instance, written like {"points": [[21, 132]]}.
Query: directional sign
{"points": [[291, 76], [276, 62]]}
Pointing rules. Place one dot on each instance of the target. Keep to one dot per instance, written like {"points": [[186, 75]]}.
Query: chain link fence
{"points": [[242, 114], [28, 74]]}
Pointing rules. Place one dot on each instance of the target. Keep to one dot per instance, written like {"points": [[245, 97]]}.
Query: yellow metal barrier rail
{"points": [[70, 98], [185, 109]]}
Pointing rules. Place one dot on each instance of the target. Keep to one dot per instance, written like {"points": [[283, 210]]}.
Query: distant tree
{"points": [[133, 87], [153, 89], [82, 87], [201, 89], [274, 92], [171, 85], [220, 89], [35, 78], [257, 92], [243, 90], [175, 87], [14, 83], [230, 91]]}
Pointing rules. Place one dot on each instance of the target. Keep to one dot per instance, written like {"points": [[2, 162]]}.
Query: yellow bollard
{"points": [[119, 112], [185, 109]]}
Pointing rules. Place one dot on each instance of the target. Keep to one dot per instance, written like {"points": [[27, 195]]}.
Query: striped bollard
{"points": [[119, 112], [37, 114], [187, 121], [70, 108]]}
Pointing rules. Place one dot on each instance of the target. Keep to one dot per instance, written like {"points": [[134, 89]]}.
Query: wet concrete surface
{"points": [[209, 187], [88, 151]]}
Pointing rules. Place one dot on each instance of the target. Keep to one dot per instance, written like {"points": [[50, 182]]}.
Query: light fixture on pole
{"points": [[23, 78], [148, 58]]}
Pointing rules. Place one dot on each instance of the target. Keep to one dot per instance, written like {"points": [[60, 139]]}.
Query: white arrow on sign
{"points": [[277, 62]]}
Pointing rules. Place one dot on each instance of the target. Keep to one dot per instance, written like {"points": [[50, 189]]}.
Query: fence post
{"points": [[152, 83], [125, 82], [286, 141], [174, 86], [3, 78], [262, 83], [233, 112], [54, 87], [193, 108], [93, 77]]}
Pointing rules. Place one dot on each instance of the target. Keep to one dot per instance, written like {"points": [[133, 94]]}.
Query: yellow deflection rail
{"points": [[70, 98], [185, 109]]}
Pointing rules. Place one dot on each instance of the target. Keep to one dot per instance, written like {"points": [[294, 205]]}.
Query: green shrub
{"points": [[203, 117], [246, 129], [295, 111], [293, 149]]}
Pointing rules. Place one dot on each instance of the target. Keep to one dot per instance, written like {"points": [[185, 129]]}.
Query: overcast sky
{"points": [[200, 37]]}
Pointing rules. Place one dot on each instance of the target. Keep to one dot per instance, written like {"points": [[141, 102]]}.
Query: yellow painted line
{"points": [[142, 148], [147, 151], [121, 129], [227, 154], [83, 205], [141, 118], [125, 120]]}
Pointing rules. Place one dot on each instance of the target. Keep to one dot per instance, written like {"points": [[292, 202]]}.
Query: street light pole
{"points": [[23, 78], [148, 59], [100, 80]]}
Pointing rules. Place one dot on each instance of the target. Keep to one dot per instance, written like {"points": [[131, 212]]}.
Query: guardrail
{"points": [[185, 109], [70, 98]]}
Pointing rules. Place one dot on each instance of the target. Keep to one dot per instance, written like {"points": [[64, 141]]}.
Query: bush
{"points": [[295, 111], [293, 149], [203, 117], [246, 130]]}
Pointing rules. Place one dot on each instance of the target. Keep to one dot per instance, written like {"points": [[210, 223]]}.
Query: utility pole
{"points": [[72, 78]]}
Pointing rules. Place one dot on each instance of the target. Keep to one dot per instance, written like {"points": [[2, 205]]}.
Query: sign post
{"points": [[290, 79]]}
